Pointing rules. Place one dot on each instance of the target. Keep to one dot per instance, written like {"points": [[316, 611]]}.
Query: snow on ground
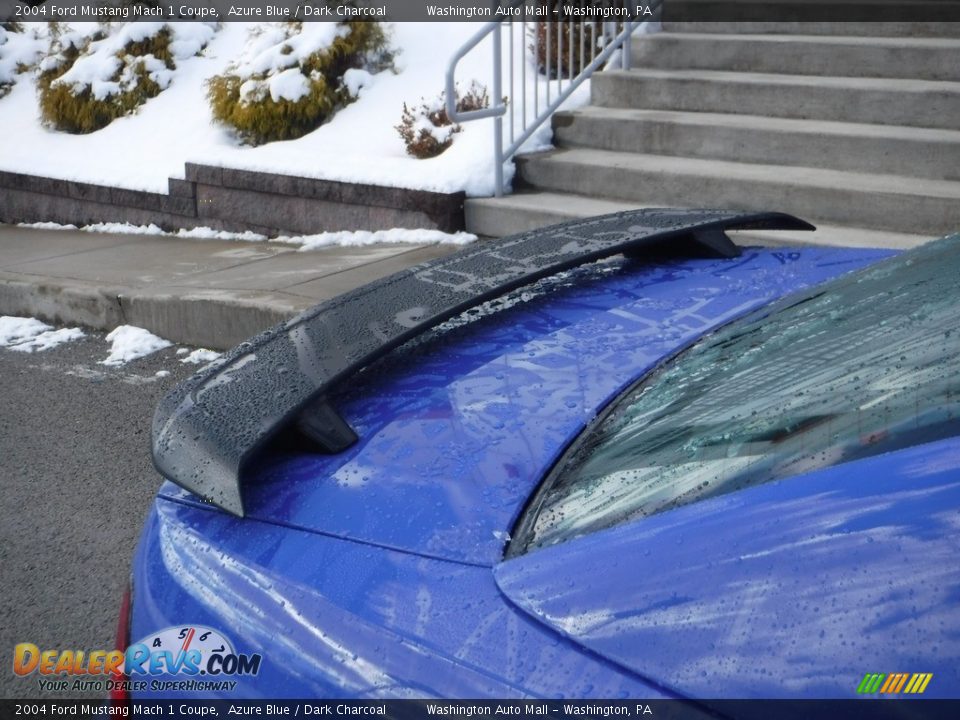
{"points": [[345, 238], [116, 228], [17, 329], [16, 50], [129, 343], [206, 233], [359, 144], [49, 339], [198, 356], [30, 335], [105, 69], [357, 238], [274, 52]]}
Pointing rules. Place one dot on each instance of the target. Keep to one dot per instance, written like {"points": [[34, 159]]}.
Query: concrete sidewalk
{"points": [[208, 293]]}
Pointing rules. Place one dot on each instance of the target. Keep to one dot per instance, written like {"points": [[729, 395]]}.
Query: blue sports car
{"points": [[619, 457]]}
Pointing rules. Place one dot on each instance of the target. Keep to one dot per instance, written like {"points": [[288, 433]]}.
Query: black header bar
{"points": [[768, 11], [510, 709]]}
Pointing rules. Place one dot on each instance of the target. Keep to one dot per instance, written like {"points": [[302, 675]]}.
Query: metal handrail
{"points": [[611, 41]]}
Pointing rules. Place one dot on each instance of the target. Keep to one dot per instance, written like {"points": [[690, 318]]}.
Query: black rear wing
{"points": [[207, 429]]}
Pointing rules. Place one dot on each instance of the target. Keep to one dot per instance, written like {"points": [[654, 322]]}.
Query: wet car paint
{"points": [[457, 433], [353, 574], [335, 618], [210, 428], [792, 589]]}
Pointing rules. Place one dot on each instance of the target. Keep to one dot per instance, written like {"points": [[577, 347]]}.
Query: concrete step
{"points": [[869, 29], [916, 152], [885, 202], [890, 57], [917, 103], [497, 217], [520, 212]]}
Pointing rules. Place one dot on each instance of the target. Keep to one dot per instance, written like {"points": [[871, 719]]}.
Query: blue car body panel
{"points": [[454, 440], [335, 618], [354, 572], [764, 592]]}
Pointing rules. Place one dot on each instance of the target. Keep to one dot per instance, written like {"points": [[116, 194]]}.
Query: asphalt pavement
{"points": [[75, 483], [75, 472]]}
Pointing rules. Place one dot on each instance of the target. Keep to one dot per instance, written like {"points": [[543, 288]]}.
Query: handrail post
{"points": [[498, 120], [625, 48], [611, 41]]}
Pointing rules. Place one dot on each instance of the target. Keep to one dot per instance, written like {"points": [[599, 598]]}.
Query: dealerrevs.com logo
{"points": [[200, 658]]}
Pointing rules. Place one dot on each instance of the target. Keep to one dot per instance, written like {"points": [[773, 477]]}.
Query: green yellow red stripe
{"points": [[894, 683]]}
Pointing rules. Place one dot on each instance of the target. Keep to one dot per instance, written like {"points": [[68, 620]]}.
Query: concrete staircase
{"points": [[855, 127]]}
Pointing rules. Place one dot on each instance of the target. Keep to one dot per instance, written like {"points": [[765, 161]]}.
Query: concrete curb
{"points": [[215, 323], [208, 293], [54, 302]]}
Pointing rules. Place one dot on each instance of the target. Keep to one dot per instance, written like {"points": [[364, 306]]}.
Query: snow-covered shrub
{"points": [[20, 50], [427, 130], [6, 74], [568, 42], [87, 81], [294, 76]]}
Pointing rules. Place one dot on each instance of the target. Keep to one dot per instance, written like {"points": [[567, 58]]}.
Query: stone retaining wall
{"points": [[234, 200]]}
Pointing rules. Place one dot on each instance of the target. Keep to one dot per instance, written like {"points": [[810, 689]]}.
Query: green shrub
{"points": [[303, 86], [427, 131], [87, 82], [67, 109]]}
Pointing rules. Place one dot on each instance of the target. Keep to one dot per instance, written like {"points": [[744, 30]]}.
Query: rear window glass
{"points": [[866, 364]]}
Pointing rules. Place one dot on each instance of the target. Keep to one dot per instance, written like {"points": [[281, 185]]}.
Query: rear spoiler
{"points": [[207, 430]]}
